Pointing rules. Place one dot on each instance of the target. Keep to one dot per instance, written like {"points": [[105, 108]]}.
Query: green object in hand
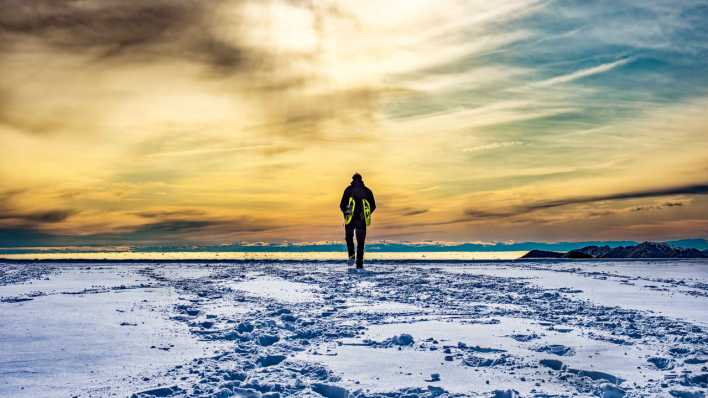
{"points": [[349, 212]]}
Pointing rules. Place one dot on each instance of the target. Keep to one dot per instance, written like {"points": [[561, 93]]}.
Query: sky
{"points": [[155, 122]]}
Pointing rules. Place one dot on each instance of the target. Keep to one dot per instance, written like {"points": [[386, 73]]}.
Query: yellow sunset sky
{"points": [[224, 121]]}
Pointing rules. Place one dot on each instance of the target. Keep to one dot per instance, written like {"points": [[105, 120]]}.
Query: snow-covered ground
{"points": [[313, 329]]}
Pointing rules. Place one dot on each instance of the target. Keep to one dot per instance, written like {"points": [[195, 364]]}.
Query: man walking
{"points": [[357, 204]]}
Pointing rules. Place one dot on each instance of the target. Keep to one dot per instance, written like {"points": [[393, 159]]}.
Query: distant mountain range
{"points": [[642, 250], [699, 244]]}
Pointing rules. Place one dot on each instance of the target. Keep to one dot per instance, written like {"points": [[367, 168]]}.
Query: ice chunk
{"points": [[234, 375], [245, 327], [611, 391], [552, 363], [246, 393], [556, 349], [524, 337], [661, 363], [268, 339], [403, 339], [270, 360], [330, 391], [159, 392], [699, 380], [687, 394], [505, 394], [596, 375]]}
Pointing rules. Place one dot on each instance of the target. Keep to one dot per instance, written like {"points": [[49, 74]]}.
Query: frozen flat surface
{"points": [[278, 289], [59, 344], [321, 329], [76, 279], [633, 285], [413, 366]]}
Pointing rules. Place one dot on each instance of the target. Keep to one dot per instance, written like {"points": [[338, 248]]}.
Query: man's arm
{"points": [[345, 199]]}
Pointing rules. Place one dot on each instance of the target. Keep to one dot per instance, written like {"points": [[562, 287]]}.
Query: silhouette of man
{"points": [[357, 204]]}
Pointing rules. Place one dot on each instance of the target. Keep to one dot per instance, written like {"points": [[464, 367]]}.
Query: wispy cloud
{"points": [[491, 146], [701, 189], [582, 73]]}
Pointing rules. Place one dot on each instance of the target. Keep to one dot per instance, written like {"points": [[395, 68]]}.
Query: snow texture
{"points": [[317, 329]]}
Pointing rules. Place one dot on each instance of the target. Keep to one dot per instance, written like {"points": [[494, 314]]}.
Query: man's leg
{"points": [[360, 238], [349, 238]]}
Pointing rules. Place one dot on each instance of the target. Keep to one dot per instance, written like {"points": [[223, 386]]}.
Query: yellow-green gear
{"points": [[350, 211], [367, 212]]}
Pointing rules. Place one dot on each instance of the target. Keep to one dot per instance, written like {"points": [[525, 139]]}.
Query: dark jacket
{"points": [[358, 191]]}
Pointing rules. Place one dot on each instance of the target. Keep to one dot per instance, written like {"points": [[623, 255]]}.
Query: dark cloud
{"points": [[110, 24], [114, 31], [673, 204], [164, 231], [110, 32], [24, 236], [20, 228], [131, 29], [169, 213], [659, 207], [483, 214], [408, 211], [699, 189], [192, 229], [144, 31], [162, 227], [41, 217], [50, 216], [221, 55], [9, 213]]}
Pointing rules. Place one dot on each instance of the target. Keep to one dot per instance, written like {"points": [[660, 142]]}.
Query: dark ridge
{"points": [[542, 254], [594, 251], [640, 251], [577, 254]]}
